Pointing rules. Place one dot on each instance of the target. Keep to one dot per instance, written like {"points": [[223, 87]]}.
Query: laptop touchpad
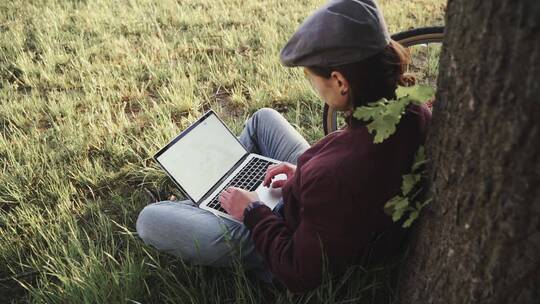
{"points": [[271, 196]]}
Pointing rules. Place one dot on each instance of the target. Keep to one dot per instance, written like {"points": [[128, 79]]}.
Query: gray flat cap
{"points": [[340, 32]]}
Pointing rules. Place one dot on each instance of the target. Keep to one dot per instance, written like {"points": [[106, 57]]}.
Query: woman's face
{"points": [[334, 90]]}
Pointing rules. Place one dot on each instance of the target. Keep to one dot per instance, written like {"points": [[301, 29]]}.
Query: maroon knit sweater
{"points": [[334, 202]]}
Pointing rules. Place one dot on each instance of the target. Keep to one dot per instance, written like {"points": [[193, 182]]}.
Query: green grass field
{"points": [[90, 90]]}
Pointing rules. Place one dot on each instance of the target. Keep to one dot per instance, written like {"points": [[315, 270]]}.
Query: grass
{"points": [[90, 89]]}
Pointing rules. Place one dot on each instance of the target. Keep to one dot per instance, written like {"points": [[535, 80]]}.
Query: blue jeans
{"points": [[198, 236]]}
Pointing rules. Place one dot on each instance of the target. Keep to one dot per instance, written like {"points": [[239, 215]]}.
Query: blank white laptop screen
{"points": [[202, 156]]}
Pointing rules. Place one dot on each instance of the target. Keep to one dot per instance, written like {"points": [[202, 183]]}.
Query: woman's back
{"points": [[334, 203]]}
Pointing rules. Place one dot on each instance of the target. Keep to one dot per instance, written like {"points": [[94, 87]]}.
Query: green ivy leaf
{"points": [[383, 127], [396, 207], [419, 159], [403, 204], [398, 213], [395, 108], [412, 216], [417, 94], [409, 181], [390, 206], [406, 205], [370, 111], [383, 116]]}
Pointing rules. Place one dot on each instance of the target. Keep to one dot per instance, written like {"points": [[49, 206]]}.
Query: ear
{"points": [[342, 84]]}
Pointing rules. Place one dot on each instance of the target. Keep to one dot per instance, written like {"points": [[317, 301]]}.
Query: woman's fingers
{"points": [[278, 183], [231, 190], [270, 173], [229, 198], [223, 196], [224, 201], [226, 195]]}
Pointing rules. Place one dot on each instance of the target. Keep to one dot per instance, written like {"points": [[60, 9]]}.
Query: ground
{"points": [[90, 90]]}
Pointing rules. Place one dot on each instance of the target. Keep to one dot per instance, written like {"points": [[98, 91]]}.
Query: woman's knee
{"points": [[264, 120], [146, 221], [157, 222], [266, 114], [192, 234]]}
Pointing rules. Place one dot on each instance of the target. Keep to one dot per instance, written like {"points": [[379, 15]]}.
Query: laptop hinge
{"points": [[222, 179]]}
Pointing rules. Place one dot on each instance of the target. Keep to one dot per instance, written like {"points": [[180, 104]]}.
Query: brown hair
{"points": [[375, 77]]}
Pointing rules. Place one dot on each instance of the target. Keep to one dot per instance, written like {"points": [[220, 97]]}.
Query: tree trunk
{"points": [[479, 240]]}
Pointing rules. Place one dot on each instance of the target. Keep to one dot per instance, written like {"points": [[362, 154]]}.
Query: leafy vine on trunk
{"points": [[383, 116]]}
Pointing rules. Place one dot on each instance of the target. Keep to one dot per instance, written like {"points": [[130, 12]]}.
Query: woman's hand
{"points": [[273, 170], [235, 200]]}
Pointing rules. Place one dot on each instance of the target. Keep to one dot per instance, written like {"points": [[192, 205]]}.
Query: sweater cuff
{"points": [[253, 216]]}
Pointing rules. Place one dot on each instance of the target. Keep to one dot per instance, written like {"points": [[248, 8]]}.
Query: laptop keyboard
{"points": [[249, 178]]}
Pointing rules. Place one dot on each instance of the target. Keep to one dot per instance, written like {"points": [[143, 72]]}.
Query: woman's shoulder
{"points": [[353, 148], [420, 113], [414, 123], [345, 154]]}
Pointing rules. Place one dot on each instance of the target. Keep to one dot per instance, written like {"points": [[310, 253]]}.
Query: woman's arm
{"points": [[295, 257]]}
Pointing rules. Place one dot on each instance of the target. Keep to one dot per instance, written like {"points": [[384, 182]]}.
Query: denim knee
{"points": [[263, 119], [180, 230], [265, 113], [146, 219]]}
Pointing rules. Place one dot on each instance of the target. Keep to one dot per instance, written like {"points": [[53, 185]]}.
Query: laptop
{"points": [[207, 158]]}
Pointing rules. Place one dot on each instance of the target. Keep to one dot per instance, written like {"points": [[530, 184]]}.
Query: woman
{"points": [[333, 197]]}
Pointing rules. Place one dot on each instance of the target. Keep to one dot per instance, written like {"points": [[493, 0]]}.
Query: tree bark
{"points": [[479, 240]]}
